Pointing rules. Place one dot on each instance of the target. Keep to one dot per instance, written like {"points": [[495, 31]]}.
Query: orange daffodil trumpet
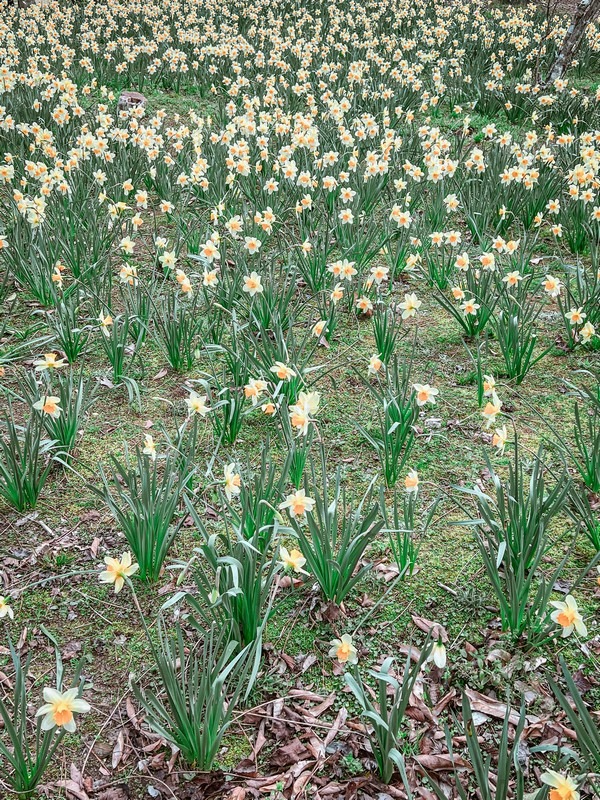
{"points": [[117, 570], [60, 707]]}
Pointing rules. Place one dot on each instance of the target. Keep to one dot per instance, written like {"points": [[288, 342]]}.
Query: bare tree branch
{"points": [[586, 12]]}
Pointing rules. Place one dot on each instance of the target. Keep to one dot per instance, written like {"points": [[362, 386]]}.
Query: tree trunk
{"points": [[586, 12]]}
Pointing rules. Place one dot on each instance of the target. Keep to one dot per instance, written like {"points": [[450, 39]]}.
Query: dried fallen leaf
{"points": [[427, 625], [290, 753], [117, 753], [441, 763], [487, 705], [337, 725], [131, 715]]}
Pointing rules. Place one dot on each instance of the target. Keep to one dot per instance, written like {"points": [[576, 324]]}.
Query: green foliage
{"points": [[143, 496], [397, 413], [386, 329], [24, 460], [587, 443], [510, 778], [401, 527], [519, 513], [512, 535], [235, 582], [177, 326], [386, 716], [70, 334], [580, 718], [515, 328], [199, 687], [335, 536], [76, 394], [254, 513]]}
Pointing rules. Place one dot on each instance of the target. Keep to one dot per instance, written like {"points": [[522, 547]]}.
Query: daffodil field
{"points": [[300, 401]]}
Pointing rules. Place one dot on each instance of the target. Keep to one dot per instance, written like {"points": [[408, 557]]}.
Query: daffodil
{"points": [[438, 654], [48, 362], [562, 787], [551, 285], [425, 393], [117, 570], [499, 439], [105, 321], [253, 284], [568, 617], [576, 316], [197, 404], [300, 419], [149, 448], [283, 372], [411, 482], [319, 327], [5, 609], [375, 365], [292, 560], [298, 503], [60, 707], [233, 481], [344, 650], [492, 409], [489, 385], [410, 305], [49, 405], [587, 332], [254, 388]]}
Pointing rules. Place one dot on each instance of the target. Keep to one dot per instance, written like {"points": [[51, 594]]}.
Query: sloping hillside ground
{"points": [[353, 243]]}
